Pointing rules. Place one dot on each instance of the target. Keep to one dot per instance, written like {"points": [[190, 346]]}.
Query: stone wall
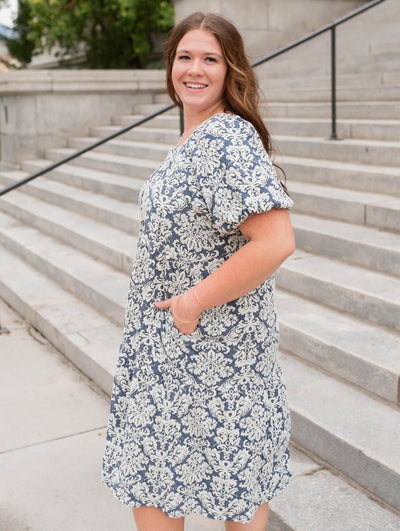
{"points": [[41, 109], [269, 24]]}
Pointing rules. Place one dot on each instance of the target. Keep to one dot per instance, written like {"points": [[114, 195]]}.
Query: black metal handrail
{"points": [[328, 27]]}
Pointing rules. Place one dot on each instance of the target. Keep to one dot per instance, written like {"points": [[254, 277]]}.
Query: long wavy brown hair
{"points": [[241, 95]]}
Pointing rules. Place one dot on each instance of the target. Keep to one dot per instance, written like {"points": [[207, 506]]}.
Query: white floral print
{"points": [[200, 422]]}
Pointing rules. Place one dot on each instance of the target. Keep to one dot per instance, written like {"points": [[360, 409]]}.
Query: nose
{"points": [[195, 67]]}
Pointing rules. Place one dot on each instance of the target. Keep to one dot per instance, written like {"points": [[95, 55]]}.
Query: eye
{"points": [[211, 59], [183, 57]]}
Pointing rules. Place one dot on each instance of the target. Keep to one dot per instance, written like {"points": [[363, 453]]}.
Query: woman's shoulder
{"points": [[223, 130], [229, 123]]}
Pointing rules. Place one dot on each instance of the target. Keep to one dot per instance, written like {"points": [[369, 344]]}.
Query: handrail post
{"points": [[333, 83]]}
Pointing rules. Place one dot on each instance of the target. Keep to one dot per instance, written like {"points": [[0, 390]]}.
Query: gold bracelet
{"points": [[173, 311], [188, 309], [197, 297]]}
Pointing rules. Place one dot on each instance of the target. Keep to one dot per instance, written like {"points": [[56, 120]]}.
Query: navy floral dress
{"points": [[199, 423]]}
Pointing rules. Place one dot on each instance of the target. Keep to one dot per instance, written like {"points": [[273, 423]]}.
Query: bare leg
{"points": [[259, 522], [151, 518]]}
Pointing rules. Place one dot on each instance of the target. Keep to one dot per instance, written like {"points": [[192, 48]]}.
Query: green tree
{"points": [[109, 33], [22, 48]]}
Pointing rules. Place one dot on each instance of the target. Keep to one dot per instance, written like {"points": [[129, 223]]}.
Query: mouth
{"points": [[196, 86]]}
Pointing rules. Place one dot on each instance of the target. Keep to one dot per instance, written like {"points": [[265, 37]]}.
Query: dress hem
{"points": [[283, 483]]}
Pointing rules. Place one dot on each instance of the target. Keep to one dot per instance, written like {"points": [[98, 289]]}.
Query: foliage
{"points": [[109, 33], [23, 47]]}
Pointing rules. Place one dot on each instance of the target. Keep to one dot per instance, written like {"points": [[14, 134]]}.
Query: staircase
{"points": [[67, 243]]}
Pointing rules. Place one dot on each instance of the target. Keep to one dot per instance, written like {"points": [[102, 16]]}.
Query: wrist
{"points": [[193, 303], [180, 311]]}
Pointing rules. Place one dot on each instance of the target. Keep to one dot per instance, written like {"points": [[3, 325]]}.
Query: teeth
{"points": [[195, 85]]}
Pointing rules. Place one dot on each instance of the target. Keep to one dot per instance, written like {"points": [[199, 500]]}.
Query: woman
{"points": [[199, 421]]}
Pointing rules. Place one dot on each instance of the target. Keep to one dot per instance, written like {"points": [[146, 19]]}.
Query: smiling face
{"points": [[198, 73]]}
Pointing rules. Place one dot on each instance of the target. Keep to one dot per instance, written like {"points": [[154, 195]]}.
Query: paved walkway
{"points": [[52, 438]]}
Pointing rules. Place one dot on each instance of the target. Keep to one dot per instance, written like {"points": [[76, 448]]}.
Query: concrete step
{"points": [[346, 128], [137, 168], [376, 152], [109, 245], [166, 121], [380, 14], [113, 212], [107, 183], [381, 61], [144, 134], [375, 109], [320, 127], [323, 93], [153, 151], [147, 108], [316, 494], [96, 283], [348, 288], [347, 66], [352, 350], [362, 177], [85, 336], [377, 23], [323, 79], [163, 99], [357, 244], [355, 433], [364, 208]]}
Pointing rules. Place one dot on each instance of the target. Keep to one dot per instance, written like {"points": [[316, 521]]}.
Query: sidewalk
{"points": [[53, 423]]}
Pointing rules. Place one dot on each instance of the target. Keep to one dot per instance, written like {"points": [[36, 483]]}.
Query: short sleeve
{"points": [[235, 174]]}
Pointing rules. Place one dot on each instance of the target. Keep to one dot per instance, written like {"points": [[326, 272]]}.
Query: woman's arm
{"points": [[270, 241]]}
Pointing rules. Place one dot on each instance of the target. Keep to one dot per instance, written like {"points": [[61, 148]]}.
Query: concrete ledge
{"points": [[82, 81], [41, 109]]}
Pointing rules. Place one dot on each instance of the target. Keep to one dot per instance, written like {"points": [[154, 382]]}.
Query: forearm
{"points": [[245, 270]]}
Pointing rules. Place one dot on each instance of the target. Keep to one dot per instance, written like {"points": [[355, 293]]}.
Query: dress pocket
{"points": [[220, 323]]}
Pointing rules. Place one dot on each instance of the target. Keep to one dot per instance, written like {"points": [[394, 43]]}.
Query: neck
{"points": [[194, 118]]}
